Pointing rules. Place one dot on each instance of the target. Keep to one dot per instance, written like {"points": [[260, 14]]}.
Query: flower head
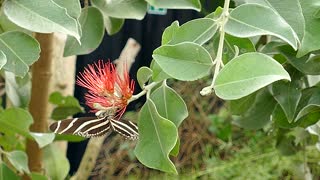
{"points": [[106, 87]]}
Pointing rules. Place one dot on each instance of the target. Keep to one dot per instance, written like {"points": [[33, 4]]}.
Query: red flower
{"points": [[106, 87]]}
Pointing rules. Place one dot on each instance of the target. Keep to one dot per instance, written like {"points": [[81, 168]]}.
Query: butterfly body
{"points": [[95, 126]]}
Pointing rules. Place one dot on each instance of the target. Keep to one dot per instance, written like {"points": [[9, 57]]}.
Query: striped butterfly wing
{"points": [[84, 126], [125, 128]]}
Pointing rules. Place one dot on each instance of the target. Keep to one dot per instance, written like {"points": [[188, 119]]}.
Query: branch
{"points": [[88, 161], [218, 60]]}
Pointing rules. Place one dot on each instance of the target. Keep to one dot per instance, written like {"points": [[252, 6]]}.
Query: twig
{"points": [[218, 60]]}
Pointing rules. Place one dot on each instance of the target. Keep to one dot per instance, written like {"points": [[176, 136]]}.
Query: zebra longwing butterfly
{"points": [[95, 126]]}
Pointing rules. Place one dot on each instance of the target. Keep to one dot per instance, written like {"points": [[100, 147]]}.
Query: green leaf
{"points": [[259, 113], [175, 151], [3, 59], [157, 73], [307, 64], [244, 45], [7, 173], [55, 162], [176, 4], [312, 24], [246, 74], [143, 75], [288, 96], [49, 18], [66, 106], [7, 25], [73, 7], [271, 48], [43, 139], [113, 25], [63, 112], [289, 10], [215, 14], [10, 142], [185, 61], [15, 120], [37, 176], [280, 119], [308, 107], [169, 32], [250, 20], [158, 137], [198, 31], [18, 89], [285, 144], [69, 138], [125, 9], [240, 106], [169, 104], [21, 51], [92, 28], [19, 160]]}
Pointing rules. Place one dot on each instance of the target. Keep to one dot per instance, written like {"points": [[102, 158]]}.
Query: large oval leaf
{"points": [[288, 96], [143, 75], [73, 7], [15, 120], [169, 104], [41, 16], [312, 25], [66, 106], [21, 51], [42, 139], [289, 10], [158, 137], [258, 115], [157, 73], [18, 90], [247, 73], [113, 25], [169, 32], [125, 9], [250, 20], [176, 4], [55, 162], [19, 160], [185, 61], [92, 28], [307, 64], [198, 31], [7, 173]]}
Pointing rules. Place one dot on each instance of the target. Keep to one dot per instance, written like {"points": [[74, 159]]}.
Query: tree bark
{"points": [[38, 107]]}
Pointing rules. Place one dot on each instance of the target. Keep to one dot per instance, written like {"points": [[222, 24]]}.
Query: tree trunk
{"points": [[38, 107]]}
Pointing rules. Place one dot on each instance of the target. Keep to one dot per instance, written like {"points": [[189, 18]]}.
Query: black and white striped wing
{"points": [[83, 126], [125, 128]]}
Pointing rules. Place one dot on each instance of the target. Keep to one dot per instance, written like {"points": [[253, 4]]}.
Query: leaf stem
{"points": [[145, 90], [86, 3], [218, 60]]}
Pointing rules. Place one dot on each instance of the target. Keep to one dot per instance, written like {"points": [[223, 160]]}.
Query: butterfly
{"points": [[95, 126]]}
